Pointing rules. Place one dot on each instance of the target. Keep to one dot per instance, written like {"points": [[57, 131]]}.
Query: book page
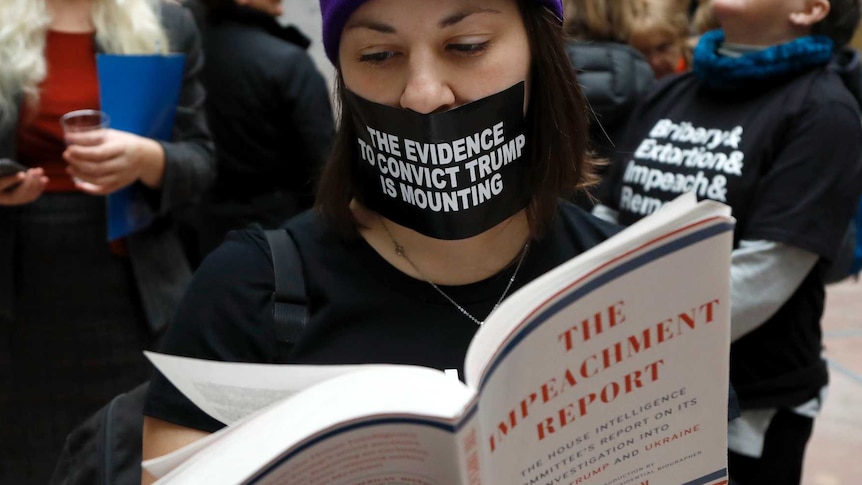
{"points": [[383, 425], [613, 370], [230, 391]]}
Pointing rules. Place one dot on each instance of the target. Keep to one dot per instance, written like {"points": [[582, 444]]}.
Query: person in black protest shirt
{"points": [[461, 127], [766, 124]]}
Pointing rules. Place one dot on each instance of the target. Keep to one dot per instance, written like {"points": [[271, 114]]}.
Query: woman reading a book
{"points": [[462, 126]]}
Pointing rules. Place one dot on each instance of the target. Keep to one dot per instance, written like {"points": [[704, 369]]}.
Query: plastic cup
{"points": [[84, 120], [90, 121]]}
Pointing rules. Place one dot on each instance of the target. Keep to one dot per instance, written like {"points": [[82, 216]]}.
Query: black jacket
{"points": [[613, 77], [269, 111]]}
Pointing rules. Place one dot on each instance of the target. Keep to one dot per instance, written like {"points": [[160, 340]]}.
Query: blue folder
{"points": [[140, 93]]}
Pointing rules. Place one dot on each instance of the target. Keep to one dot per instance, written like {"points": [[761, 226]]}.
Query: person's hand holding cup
{"points": [[103, 160]]}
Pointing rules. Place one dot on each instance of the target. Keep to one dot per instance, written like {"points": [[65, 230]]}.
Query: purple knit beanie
{"points": [[336, 12]]}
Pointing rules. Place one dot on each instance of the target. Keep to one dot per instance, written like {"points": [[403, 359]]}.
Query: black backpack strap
{"points": [[289, 301], [106, 448]]}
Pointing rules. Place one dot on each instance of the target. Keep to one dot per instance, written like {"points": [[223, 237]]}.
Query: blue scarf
{"points": [[778, 61]]}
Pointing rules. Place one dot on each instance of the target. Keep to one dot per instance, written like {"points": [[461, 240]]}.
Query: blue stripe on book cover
{"points": [[720, 476]]}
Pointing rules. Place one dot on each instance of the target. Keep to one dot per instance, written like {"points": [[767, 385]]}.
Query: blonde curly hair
{"points": [[122, 27], [598, 20]]}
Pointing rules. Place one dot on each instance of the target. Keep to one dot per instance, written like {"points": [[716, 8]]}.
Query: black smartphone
{"points": [[10, 167]]}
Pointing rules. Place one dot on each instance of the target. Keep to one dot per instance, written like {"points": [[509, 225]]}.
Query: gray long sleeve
{"points": [[763, 276]]}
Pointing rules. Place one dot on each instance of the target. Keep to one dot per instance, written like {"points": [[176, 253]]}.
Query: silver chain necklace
{"points": [[399, 250]]}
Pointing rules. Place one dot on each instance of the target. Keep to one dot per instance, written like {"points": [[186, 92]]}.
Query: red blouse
{"points": [[71, 84]]}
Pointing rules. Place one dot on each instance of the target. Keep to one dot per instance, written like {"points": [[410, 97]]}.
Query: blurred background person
{"points": [[612, 74], [269, 111], [768, 123], [660, 32], [76, 311]]}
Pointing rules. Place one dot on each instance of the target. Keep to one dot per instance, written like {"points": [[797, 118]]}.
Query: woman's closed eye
{"points": [[377, 57], [469, 48], [463, 49]]}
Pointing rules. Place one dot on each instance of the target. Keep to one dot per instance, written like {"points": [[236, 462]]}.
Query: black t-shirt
{"points": [[363, 310], [786, 158]]}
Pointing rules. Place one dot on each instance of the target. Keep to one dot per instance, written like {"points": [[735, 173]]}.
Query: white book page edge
{"points": [[229, 391]]}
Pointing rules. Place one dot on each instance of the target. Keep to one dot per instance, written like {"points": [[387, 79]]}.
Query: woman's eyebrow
{"points": [[447, 21], [459, 16], [371, 25]]}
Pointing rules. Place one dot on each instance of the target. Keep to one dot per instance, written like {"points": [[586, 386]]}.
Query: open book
{"points": [[611, 369]]}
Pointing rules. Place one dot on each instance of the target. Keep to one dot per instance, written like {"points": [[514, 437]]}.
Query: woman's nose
{"points": [[427, 89]]}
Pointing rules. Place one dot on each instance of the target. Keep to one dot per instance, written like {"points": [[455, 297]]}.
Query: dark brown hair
{"points": [[841, 22], [556, 117]]}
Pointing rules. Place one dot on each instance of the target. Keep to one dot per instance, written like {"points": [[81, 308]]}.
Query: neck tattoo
{"points": [[399, 250]]}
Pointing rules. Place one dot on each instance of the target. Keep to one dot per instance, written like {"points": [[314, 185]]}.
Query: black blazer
{"points": [[267, 104], [159, 264]]}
